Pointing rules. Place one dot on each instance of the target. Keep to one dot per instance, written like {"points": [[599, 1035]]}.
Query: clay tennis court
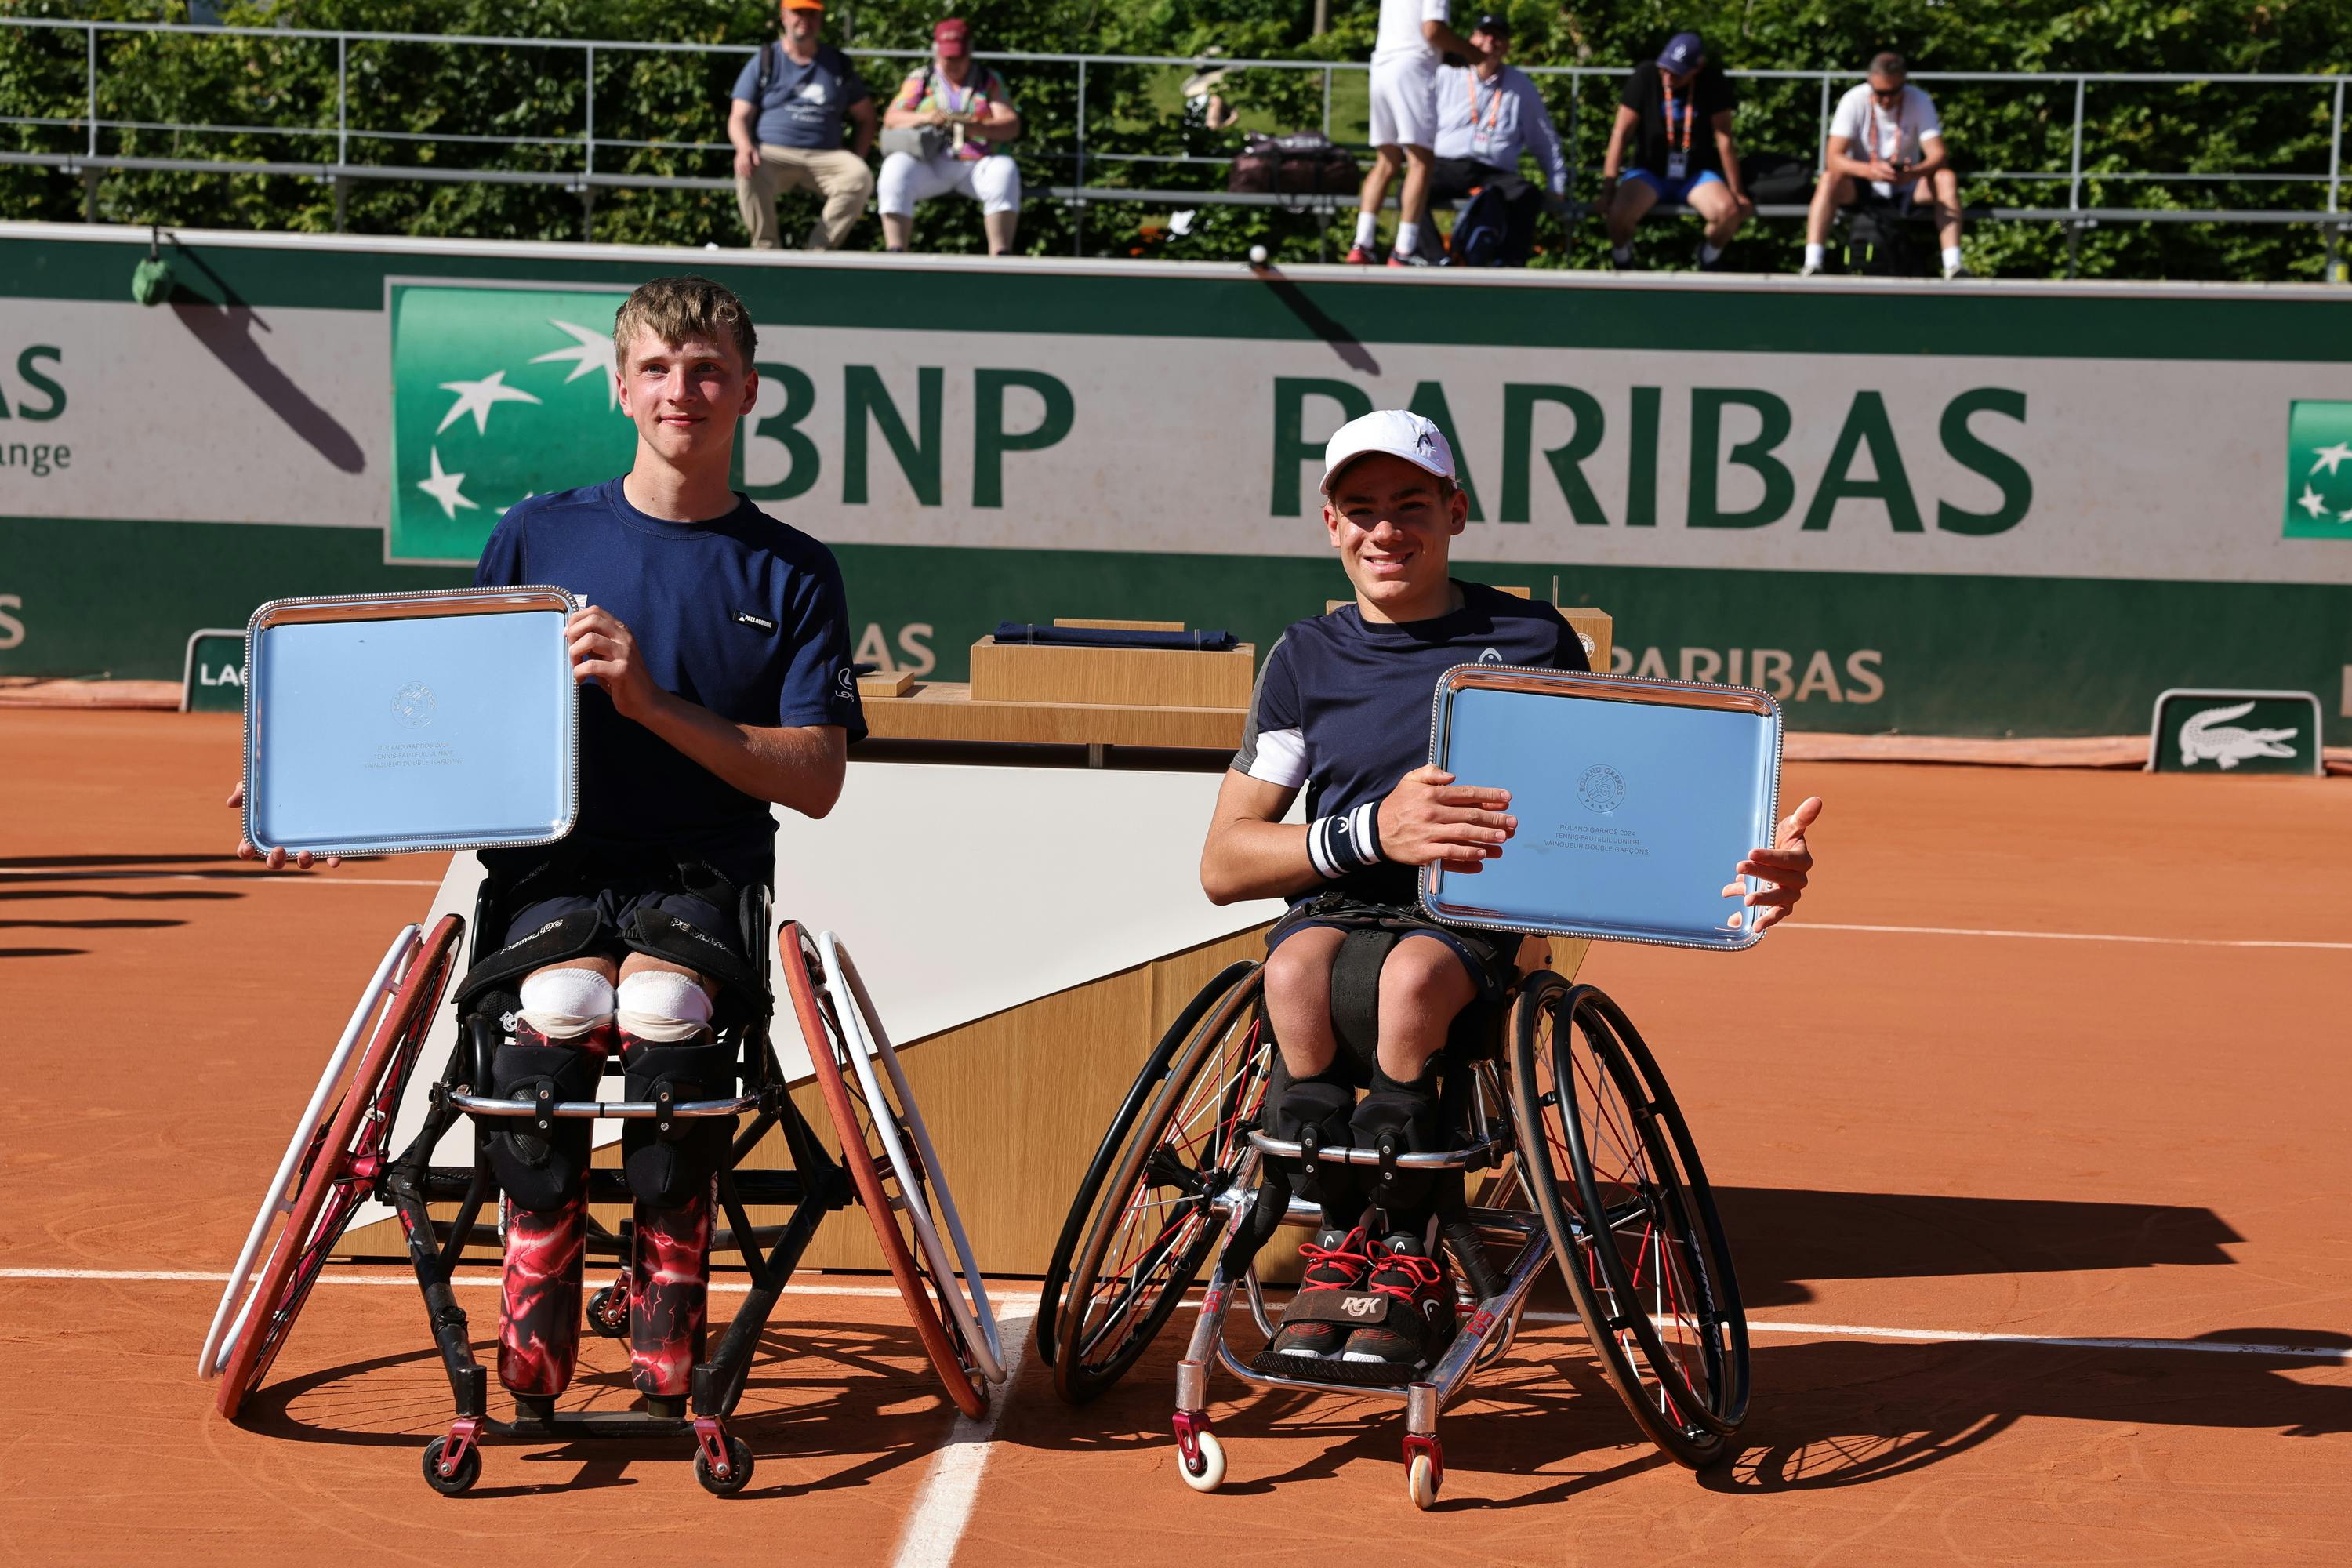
{"points": [[2029, 1134]]}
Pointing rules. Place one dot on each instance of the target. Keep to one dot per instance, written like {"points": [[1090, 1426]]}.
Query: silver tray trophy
{"points": [[388, 723], [1634, 798]]}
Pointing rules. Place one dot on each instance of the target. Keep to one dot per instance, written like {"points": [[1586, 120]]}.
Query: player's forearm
{"points": [[1248, 859], [800, 766]]}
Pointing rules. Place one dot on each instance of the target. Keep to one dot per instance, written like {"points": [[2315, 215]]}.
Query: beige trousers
{"points": [[840, 176]]}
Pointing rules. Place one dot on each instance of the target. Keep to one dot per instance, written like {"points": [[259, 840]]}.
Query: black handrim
{"points": [[1140, 1258], [1114, 1142], [1625, 1199]]}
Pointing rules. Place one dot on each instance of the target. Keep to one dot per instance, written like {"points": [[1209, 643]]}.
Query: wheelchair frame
{"points": [[343, 1157], [1694, 1425]]}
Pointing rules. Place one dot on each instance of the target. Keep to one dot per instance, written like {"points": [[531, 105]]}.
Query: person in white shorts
{"points": [[1413, 40], [1886, 133], [964, 108]]}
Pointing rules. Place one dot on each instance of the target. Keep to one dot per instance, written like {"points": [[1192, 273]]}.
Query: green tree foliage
{"points": [[521, 108]]}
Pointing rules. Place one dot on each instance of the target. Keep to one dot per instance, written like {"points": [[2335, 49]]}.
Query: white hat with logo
{"points": [[1393, 432]]}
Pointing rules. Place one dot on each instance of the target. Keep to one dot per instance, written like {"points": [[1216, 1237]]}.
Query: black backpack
{"points": [[1776, 177], [1479, 232]]}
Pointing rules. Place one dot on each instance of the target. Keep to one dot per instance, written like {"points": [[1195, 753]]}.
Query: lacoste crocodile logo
{"points": [[2210, 737]]}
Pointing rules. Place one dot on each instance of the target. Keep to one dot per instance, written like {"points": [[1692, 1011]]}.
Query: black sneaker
{"points": [[1418, 1329], [1335, 1260]]}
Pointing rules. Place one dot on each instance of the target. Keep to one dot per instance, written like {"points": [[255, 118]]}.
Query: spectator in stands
{"points": [[1207, 120], [1413, 40], [1678, 112], [1886, 133], [786, 125], [1487, 114], [953, 121]]}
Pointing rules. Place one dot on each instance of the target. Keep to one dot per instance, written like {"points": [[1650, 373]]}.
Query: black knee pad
{"points": [[1319, 1106], [1406, 1113], [667, 1168], [542, 1171]]}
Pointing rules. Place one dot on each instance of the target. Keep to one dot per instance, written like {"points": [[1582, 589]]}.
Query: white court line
{"points": [[944, 1506], [1798, 922], [1755, 1326]]}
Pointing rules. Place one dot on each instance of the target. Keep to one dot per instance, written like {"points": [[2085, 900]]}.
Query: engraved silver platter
{"points": [[1634, 799], [388, 722]]}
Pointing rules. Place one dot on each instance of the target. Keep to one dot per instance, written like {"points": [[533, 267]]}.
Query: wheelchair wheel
{"points": [[884, 1191], [1631, 1215], [1114, 1142], [1152, 1223], [345, 1159]]}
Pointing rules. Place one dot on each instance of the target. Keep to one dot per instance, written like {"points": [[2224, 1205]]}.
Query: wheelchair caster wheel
{"points": [[1200, 1458], [1424, 1471], [461, 1479], [608, 1314], [738, 1469]]}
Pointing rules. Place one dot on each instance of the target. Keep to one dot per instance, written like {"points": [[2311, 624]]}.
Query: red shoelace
{"points": [[1349, 1254], [1423, 1272]]}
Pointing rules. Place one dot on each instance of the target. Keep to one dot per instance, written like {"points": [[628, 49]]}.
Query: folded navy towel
{"points": [[1111, 636]]}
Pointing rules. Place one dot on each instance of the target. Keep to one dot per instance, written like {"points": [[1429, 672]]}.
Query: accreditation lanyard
{"points": [[1877, 147], [1481, 138], [1678, 158]]}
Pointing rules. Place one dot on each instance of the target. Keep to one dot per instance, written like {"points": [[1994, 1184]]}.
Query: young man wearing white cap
{"points": [[1342, 710], [1413, 40]]}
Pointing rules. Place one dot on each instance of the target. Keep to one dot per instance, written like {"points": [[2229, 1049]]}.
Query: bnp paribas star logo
{"points": [[498, 394], [2319, 470]]}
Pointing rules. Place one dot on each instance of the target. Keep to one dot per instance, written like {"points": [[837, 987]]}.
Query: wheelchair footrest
{"points": [[1476, 1157], [1333, 1372]]}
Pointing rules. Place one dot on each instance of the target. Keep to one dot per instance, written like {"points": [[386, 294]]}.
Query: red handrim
{"points": [[961, 1381], [342, 1168]]}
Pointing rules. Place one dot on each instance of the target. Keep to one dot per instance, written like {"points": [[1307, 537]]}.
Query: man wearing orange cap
{"points": [[786, 124], [958, 120]]}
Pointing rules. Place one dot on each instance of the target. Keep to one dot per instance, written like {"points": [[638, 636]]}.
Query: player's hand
{"points": [[602, 648], [746, 160], [1430, 820], [1782, 870], [276, 860]]}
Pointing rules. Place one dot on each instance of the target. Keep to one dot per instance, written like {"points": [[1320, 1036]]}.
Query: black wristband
{"points": [[1345, 841]]}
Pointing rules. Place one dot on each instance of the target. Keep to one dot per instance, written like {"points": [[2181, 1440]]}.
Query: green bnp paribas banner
{"points": [[498, 394]]}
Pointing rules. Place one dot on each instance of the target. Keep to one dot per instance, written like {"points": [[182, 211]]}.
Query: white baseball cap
{"points": [[1394, 432]]}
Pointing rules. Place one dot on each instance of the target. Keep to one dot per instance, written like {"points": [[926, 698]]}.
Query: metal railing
{"points": [[1064, 143]]}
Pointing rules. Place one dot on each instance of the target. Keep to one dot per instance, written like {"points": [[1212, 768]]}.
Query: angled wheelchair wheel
{"points": [[1617, 1180], [1114, 1143], [886, 1191], [346, 1156], [1151, 1225]]}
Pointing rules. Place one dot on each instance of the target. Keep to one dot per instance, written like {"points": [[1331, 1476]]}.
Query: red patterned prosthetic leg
{"points": [[669, 1294], [545, 1178]]}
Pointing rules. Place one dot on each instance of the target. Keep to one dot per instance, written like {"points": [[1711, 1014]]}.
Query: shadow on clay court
{"points": [[44, 952], [824, 1392], [1782, 1236], [74, 862], [125, 923], [1839, 1413]]}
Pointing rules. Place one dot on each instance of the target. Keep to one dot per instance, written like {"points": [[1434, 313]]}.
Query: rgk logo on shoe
{"points": [[1361, 1306]]}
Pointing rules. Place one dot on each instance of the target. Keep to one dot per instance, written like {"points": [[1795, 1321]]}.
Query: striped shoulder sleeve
{"points": [[1274, 742]]}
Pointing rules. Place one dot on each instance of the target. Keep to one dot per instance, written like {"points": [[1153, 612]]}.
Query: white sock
{"points": [[1951, 258], [1817, 255], [1620, 253], [1366, 225], [1408, 238], [1710, 253]]}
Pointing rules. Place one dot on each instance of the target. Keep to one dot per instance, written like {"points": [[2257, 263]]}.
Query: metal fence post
{"points": [[591, 53], [2074, 186], [342, 123], [2335, 176], [89, 62], [1079, 225], [1326, 103], [1822, 138]]}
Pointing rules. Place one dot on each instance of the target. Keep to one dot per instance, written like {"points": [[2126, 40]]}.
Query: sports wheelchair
{"points": [[341, 1156], [1572, 1151]]}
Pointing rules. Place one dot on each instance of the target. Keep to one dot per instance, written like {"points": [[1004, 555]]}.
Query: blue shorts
{"points": [[1489, 958], [1676, 191]]}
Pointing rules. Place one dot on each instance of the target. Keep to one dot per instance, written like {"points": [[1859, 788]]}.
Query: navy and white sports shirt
{"points": [[740, 615], [1342, 704]]}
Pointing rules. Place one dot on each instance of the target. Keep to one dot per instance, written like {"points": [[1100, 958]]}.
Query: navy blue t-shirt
{"points": [[803, 104], [740, 615], [1343, 703]]}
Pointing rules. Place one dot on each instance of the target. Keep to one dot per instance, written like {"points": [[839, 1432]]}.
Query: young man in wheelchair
{"points": [[1342, 709], [713, 659]]}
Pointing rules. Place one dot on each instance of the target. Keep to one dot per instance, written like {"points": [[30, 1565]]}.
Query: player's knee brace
{"points": [[666, 1046], [563, 1034], [1317, 1109], [1405, 1113]]}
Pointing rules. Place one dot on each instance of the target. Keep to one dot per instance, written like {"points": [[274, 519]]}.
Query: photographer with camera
{"points": [[1885, 135]]}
